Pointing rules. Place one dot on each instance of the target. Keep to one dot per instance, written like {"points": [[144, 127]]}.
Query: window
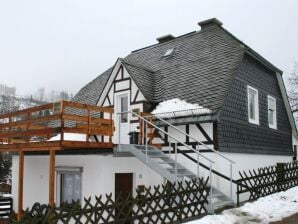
{"points": [[124, 108], [253, 105], [272, 112], [169, 52], [69, 184]]}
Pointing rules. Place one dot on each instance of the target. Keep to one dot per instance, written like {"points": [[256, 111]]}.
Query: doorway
{"points": [[123, 187], [123, 119]]}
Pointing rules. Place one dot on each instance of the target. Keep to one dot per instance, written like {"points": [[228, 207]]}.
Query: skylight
{"points": [[169, 52]]}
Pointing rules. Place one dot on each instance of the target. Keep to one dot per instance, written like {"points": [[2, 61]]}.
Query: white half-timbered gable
{"points": [[123, 82], [120, 84]]}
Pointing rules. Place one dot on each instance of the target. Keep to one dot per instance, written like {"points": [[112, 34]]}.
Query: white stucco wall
{"points": [[244, 162], [98, 175]]}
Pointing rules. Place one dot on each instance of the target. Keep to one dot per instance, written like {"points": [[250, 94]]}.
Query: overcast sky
{"points": [[63, 44]]}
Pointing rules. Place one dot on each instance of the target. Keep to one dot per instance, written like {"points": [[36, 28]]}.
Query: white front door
{"points": [[122, 120]]}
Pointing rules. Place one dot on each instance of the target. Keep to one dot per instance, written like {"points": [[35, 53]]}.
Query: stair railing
{"points": [[231, 162], [145, 123]]}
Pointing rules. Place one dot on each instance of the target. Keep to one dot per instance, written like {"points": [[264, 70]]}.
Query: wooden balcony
{"points": [[56, 126]]}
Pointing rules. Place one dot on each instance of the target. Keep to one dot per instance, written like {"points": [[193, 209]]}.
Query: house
{"points": [[240, 120]]}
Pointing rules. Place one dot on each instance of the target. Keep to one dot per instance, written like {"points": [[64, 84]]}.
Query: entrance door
{"points": [[123, 187], [122, 120]]}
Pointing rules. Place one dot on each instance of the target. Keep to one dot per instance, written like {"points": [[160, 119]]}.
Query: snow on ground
{"points": [[69, 137], [268, 209], [178, 108]]}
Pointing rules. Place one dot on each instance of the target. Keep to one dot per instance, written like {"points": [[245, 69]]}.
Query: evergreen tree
{"points": [[5, 167]]}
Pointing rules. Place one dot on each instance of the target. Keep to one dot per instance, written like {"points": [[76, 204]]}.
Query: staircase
{"points": [[169, 167], [173, 171]]}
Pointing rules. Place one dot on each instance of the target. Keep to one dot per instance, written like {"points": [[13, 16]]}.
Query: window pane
{"points": [[71, 187], [271, 103], [251, 98], [124, 108], [271, 117]]}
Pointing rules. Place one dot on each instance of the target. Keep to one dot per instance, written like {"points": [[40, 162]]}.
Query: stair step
{"points": [[216, 195], [151, 151], [164, 162], [220, 204], [158, 156], [172, 170]]}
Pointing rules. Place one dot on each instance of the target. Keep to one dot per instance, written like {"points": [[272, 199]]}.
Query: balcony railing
{"points": [[63, 124]]}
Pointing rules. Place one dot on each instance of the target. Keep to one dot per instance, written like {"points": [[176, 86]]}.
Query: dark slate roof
{"points": [[143, 78], [200, 70], [90, 93]]}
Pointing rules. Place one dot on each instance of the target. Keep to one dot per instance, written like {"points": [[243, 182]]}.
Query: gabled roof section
{"points": [[200, 71], [91, 92], [143, 78]]}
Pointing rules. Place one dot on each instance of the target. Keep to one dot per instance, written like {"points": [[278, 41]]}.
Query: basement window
{"points": [[253, 105], [272, 112]]}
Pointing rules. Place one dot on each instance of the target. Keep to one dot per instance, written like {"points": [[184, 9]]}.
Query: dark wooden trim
{"points": [[109, 101], [204, 132], [138, 102], [122, 90], [122, 72], [166, 136], [136, 96], [112, 85], [121, 80], [187, 132], [215, 136]]}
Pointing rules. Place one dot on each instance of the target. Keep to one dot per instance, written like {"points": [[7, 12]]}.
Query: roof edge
{"points": [[254, 54]]}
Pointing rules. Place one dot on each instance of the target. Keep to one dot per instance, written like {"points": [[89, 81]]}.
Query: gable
{"points": [[121, 81]]}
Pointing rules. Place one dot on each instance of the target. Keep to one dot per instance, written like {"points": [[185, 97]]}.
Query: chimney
{"points": [[165, 38], [209, 22]]}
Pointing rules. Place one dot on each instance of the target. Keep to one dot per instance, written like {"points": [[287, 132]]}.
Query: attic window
{"points": [[169, 52]]}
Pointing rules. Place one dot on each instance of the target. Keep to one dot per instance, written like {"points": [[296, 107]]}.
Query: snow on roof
{"points": [[271, 208], [69, 137], [178, 108]]}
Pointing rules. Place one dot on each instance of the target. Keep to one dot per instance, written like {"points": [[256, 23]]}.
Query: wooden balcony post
{"points": [[88, 125], [9, 129], [62, 121], [52, 177], [28, 126], [111, 127], [141, 129], [21, 184]]}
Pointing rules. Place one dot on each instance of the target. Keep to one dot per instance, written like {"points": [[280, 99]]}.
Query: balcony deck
{"points": [[49, 126]]}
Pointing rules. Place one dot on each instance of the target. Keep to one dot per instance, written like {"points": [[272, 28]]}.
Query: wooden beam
{"points": [[21, 184], [52, 178], [204, 132]]}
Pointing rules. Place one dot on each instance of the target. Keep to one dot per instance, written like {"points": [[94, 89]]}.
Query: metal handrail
{"points": [[218, 153], [153, 125], [169, 135], [184, 133]]}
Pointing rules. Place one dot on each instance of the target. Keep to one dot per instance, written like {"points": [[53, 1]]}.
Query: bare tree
{"points": [[293, 93]]}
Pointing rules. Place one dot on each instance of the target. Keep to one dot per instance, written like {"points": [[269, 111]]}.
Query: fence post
{"points": [[280, 175], [238, 199]]}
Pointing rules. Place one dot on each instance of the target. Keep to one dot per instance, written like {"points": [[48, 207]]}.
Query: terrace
{"points": [[54, 127]]}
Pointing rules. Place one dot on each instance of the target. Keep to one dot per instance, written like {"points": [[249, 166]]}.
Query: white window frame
{"points": [[256, 120], [274, 125]]}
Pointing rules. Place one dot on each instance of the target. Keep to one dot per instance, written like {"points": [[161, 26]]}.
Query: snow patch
{"points": [[69, 137], [178, 108], [268, 209]]}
